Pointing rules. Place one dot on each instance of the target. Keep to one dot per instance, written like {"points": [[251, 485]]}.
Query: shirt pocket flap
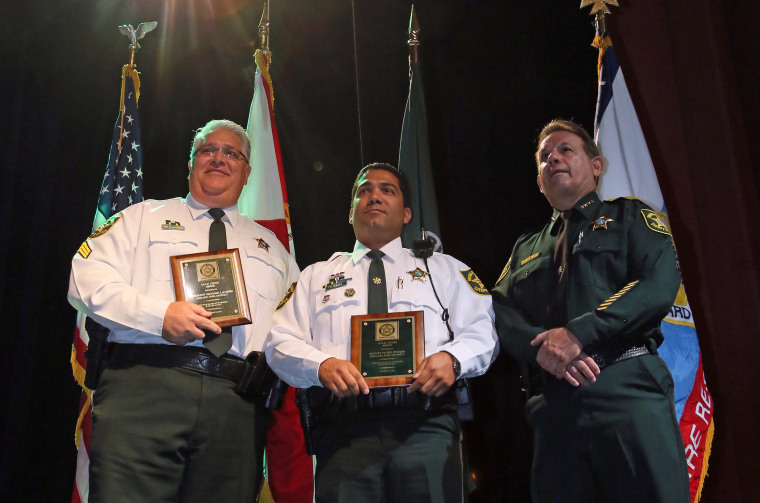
{"points": [[335, 299], [533, 266], [419, 295], [164, 244]]}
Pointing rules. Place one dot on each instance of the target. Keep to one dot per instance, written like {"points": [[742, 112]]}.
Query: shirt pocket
{"points": [[164, 244], [419, 296], [532, 281], [332, 317], [597, 258], [264, 275]]}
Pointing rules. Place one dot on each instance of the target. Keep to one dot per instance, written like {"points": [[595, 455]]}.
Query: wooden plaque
{"points": [[215, 281], [387, 347]]}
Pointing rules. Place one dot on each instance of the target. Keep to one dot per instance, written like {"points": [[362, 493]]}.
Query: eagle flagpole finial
{"points": [[135, 35]]}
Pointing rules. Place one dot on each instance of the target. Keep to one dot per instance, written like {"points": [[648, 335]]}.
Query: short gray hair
{"points": [[200, 135]]}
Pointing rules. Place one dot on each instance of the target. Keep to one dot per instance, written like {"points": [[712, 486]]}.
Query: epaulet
{"points": [[630, 198], [338, 254], [262, 227]]}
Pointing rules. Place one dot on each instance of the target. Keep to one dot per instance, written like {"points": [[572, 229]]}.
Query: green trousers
{"points": [[615, 440], [172, 435], [389, 456]]}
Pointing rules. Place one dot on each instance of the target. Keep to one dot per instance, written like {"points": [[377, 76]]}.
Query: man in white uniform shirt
{"points": [[168, 424], [383, 444]]}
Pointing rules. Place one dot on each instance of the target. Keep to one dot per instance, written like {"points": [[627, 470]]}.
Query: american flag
{"points": [[121, 187]]}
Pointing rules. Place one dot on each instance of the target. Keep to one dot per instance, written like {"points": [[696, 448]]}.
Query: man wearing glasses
{"points": [[168, 424]]}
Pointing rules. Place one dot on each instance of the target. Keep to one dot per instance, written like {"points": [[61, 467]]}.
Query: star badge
{"points": [[263, 244], [377, 280], [601, 223], [418, 274]]}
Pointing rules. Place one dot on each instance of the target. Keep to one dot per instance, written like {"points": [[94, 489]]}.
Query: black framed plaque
{"points": [[387, 347], [215, 281]]}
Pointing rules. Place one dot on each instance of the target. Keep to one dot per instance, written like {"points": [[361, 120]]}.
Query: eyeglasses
{"points": [[229, 153]]}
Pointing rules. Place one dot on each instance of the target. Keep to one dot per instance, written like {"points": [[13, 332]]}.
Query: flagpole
{"points": [[414, 154], [113, 197], [414, 40]]}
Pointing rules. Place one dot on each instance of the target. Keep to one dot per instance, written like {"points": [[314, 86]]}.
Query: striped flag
{"points": [[264, 199], [121, 187], [631, 172]]}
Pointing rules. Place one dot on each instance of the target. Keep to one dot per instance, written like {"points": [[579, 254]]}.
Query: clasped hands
{"points": [[561, 354]]}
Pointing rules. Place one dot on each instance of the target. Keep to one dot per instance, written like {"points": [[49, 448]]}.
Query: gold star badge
{"points": [[418, 274], [263, 244], [598, 5], [601, 223]]}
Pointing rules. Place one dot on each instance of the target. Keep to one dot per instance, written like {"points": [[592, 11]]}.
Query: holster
{"points": [[95, 352], [308, 418], [260, 383], [463, 393], [534, 379]]}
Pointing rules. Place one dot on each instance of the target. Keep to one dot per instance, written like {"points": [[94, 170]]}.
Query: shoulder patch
{"points": [[504, 271], [474, 282], [84, 250], [654, 221], [105, 227], [287, 296]]}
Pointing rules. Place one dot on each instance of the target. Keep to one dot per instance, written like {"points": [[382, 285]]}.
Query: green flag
{"points": [[414, 162]]}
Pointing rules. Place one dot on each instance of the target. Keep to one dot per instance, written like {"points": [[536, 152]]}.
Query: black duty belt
{"points": [[193, 358], [606, 358], [324, 402]]}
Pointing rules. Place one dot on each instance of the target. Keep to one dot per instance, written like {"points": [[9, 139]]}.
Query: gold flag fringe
{"points": [[601, 42], [127, 71], [262, 61], [705, 460]]}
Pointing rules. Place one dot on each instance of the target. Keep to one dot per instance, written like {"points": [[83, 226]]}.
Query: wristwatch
{"points": [[456, 365]]}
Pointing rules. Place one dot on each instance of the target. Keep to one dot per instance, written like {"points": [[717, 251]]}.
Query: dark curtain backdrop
{"points": [[494, 72]]}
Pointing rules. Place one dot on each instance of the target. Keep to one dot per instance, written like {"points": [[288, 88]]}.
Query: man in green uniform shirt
{"points": [[579, 304]]}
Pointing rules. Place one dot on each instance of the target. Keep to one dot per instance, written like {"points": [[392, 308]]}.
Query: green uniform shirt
{"points": [[623, 278]]}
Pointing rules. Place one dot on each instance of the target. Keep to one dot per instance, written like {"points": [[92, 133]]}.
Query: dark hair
{"points": [[589, 145], [403, 182]]}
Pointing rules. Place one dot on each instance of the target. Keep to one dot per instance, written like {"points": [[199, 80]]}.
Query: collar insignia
{"points": [[601, 223], [336, 281], [172, 226], [418, 274], [587, 203], [263, 244]]}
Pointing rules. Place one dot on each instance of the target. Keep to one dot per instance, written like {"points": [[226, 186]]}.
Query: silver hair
{"points": [[200, 135]]}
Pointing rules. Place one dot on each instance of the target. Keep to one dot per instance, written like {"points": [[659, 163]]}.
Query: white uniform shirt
{"points": [[314, 324], [123, 280]]}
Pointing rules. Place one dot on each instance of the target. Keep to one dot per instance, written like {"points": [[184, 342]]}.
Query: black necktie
{"points": [[218, 344], [377, 301], [558, 301]]}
